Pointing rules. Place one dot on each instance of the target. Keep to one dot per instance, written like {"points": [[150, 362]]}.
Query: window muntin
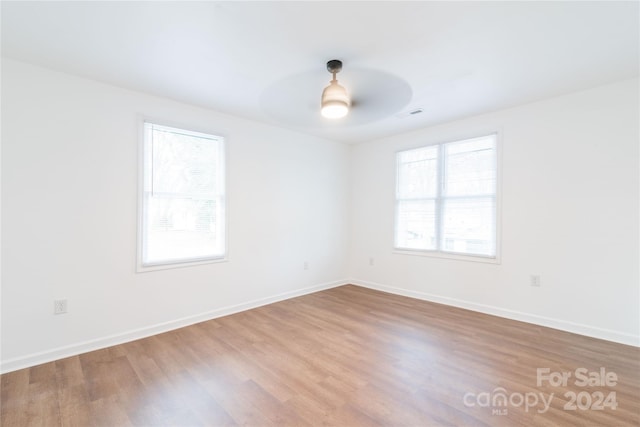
{"points": [[446, 198], [183, 197]]}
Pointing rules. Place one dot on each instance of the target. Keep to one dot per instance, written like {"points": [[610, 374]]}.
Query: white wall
{"points": [[69, 200], [569, 213]]}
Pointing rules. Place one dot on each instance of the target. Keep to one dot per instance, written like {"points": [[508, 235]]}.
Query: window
{"points": [[446, 198], [183, 197]]}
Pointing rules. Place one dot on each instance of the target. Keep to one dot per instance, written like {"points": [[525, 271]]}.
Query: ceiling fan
{"points": [[363, 95]]}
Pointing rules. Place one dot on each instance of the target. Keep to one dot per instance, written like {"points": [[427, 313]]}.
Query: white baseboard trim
{"points": [[563, 325], [135, 334]]}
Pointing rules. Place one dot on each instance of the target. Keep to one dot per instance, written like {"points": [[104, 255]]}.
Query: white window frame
{"points": [[439, 252], [142, 267]]}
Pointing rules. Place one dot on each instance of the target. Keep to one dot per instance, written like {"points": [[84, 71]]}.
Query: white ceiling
{"points": [[266, 60]]}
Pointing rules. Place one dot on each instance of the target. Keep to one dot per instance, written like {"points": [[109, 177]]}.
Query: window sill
{"points": [[178, 264], [448, 255]]}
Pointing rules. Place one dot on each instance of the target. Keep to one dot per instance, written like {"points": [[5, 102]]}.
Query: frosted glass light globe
{"points": [[335, 101]]}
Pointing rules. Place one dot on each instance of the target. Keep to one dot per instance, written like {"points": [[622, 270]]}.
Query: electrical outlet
{"points": [[306, 265], [535, 280], [371, 261], [60, 306]]}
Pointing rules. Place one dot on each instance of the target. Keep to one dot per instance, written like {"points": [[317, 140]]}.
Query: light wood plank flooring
{"points": [[347, 356]]}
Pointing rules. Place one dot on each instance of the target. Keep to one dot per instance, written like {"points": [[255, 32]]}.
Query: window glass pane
{"points": [[183, 164], [468, 226], [180, 229], [416, 224], [417, 173], [470, 167]]}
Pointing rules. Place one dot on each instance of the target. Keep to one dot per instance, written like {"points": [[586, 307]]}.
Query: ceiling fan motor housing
{"points": [[334, 66]]}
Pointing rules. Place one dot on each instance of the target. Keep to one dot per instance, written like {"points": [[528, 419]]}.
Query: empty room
{"points": [[320, 213]]}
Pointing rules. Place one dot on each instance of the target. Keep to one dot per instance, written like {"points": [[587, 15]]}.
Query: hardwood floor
{"points": [[347, 356]]}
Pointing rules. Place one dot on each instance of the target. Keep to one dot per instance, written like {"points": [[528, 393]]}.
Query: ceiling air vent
{"points": [[409, 113]]}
